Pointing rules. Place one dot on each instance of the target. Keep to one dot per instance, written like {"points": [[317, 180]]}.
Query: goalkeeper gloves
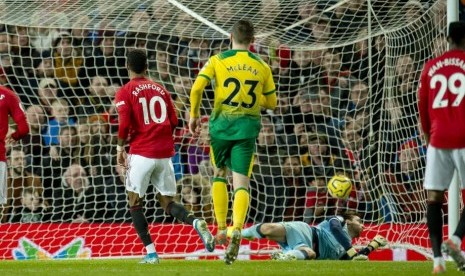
{"points": [[378, 241]]}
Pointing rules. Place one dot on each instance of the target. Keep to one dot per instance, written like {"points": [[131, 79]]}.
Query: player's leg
{"points": [[296, 238], [438, 175], [3, 185], [452, 246], [242, 154], [164, 181], [220, 151], [137, 181], [242, 157], [272, 231]]}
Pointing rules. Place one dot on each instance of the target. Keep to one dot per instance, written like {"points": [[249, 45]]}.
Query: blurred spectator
{"points": [[19, 177], [161, 71], [107, 60], [99, 99], [68, 62], [199, 147], [45, 67], [33, 143], [193, 191], [63, 155], [403, 201], [60, 113], [47, 93], [32, 208], [76, 200], [267, 152]]}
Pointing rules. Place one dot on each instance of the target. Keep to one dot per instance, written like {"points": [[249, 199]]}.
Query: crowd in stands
{"points": [[341, 110]]}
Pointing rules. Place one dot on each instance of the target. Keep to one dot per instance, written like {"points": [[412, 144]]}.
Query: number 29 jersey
{"points": [[147, 118], [441, 100], [240, 80]]}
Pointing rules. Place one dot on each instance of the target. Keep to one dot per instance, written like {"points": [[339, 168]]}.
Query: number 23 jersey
{"points": [[241, 78], [441, 100], [147, 118]]}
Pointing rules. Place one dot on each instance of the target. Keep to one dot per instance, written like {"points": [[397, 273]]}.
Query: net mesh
{"points": [[346, 73]]}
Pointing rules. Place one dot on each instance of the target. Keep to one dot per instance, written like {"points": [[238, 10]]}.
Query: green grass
{"points": [[129, 267]]}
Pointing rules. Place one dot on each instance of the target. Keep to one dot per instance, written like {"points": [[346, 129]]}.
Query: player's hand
{"points": [[194, 126], [9, 140], [378, 241], [121, 157], [360, 257]]}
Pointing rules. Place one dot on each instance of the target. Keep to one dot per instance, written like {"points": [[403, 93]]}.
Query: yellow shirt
{"points": [[240, 79]]}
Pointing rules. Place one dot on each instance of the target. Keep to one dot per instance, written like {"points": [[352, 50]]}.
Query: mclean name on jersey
{"points": [[144, 86], [243, 67], [448, 61]]}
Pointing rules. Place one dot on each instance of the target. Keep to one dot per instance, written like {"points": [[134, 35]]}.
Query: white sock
{"points": [[194, 222], [439, 261], [150, 248], [456, 240]]}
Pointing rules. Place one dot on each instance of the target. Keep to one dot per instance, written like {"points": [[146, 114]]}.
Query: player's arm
{"points": [[124, 119], [336, 228], [268, 99], [171, 112], [377, 242], [17, 113], [203, 79], [423, 104]]}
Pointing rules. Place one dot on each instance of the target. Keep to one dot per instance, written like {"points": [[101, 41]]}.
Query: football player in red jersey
{"points": [[442, 113], [9, 106], [147, 119]]}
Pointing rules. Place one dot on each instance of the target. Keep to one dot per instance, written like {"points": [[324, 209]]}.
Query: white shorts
{"points": [[144, 171], [440, 166], [3, 184]]}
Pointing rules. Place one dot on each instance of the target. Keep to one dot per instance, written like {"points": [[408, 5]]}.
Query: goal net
{"points": [[346, 75]]}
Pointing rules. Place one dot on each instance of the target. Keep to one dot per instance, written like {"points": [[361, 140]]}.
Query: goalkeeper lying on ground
{"points": [[329, 240]]}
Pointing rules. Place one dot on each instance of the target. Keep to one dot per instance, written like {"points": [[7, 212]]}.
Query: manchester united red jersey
{"points": [[442, 100], [10, 106], [147, 118]]}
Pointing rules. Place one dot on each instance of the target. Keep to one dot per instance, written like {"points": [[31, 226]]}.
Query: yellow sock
{"points": [[240, 207], [220, 201]]}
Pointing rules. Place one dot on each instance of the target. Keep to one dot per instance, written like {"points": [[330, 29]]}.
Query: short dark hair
{"points": [[243, 32], [457, 32], [137, 61], [349, 215]]}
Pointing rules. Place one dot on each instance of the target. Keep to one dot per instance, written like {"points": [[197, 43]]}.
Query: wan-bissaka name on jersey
{"points": [[241, 78]]}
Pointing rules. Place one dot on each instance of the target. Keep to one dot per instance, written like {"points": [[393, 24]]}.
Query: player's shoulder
{"points": [[336, 218], [6, 93]]}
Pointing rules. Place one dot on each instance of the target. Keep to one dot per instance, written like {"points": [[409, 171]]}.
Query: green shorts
{"points": [[237, 155]]}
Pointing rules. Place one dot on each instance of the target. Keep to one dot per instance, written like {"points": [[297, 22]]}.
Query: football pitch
{"points": [[129, 267]]}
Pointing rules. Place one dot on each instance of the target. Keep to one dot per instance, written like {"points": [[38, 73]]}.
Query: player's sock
{"points": [[240, 207], [299, 254], [179, 211], [439, 261], [220, 201], [434, 222], [150, 248], [460, 230], [253, 231], [141, 225]]}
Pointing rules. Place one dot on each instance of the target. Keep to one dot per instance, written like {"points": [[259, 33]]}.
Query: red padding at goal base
{"points": [[120, 240]]}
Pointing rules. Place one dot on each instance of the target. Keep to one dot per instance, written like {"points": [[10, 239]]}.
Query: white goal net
{"points": [[346, 74]]}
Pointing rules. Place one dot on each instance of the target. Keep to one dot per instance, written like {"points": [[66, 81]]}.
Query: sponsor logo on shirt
{"points": [[2, 97]]}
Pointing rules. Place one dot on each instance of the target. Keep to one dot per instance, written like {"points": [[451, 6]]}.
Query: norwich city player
{"points": [[243, 84]]}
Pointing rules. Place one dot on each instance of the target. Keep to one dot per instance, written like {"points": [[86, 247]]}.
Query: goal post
{"points": [[346, 74]]}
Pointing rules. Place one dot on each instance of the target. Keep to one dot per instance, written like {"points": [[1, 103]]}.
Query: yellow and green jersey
{"points": [[241, 78]]}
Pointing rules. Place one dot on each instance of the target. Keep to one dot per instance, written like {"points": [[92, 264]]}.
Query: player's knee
{"points": [[134, 200], [435, 197], [165, 202], [221, 172]]}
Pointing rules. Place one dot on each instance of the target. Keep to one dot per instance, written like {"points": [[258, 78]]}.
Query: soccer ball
{"points": [[339, 186]]}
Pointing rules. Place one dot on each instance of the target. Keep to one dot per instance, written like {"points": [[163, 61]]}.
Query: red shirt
{"points": [[147, 118], [10, 106], [441, 100]]}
